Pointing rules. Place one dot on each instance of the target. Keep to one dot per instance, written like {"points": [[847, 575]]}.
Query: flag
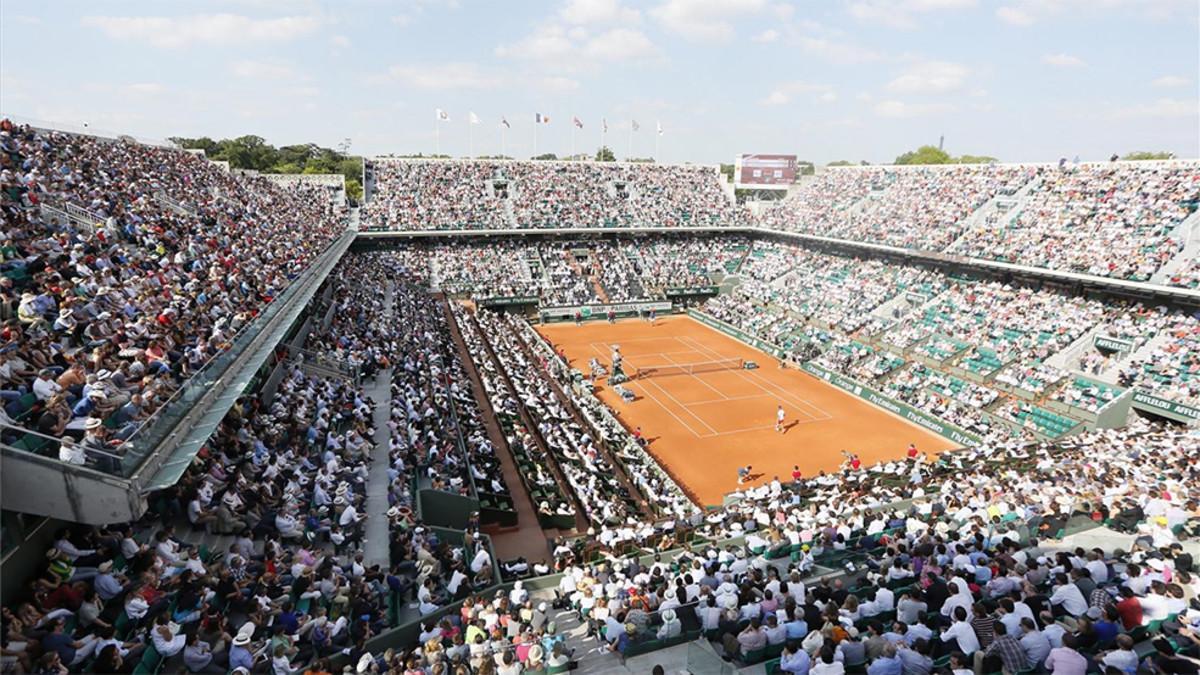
{"points": [[473, 118], [659, 124], [504, 123], [539, 118], [442, 115], [604, 123], [577, 122], [635, 125]]}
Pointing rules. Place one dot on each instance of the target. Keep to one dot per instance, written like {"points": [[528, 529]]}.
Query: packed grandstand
{"points": [[349, 508]]}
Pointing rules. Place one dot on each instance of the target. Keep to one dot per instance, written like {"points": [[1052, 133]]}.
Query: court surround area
{"points": [[703, 425]]}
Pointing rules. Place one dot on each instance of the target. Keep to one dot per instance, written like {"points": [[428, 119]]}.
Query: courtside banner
{"points": [[918, 417], [1112, 344], [620, 309], [506, 301]]}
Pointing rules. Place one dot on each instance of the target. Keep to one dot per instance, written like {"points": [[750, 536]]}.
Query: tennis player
{"points": [[779, 418]]}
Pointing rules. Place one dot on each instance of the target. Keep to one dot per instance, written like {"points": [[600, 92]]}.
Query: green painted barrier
{"points": [[904, 410]]}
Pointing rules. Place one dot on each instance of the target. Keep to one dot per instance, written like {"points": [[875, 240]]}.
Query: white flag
{"points": [[474, 118], [635, 125], [442, 115], [604, 122], [659, 124]]}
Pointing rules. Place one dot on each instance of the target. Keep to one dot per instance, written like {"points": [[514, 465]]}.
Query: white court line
{"points": [[731, 398], [684, 406], [760, 381], [667, 410], [698, 378]]}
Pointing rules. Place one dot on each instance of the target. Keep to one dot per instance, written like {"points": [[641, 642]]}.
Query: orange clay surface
{"points": [[703, 427]]}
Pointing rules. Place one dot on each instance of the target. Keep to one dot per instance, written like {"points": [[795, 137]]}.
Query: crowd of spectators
{"points": [[910, 207], [949, 563], [1110, 220], [106, 314], [436, 195]]}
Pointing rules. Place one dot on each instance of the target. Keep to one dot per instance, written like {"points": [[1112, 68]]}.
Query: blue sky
{"points": [[1023, 80]]}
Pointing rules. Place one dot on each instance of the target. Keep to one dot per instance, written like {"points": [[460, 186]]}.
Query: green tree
{"points": [[547, 156], [926, 154], [1143, 155], [975, 159], [840, 162], [605, 154], [805, 168], [727, 169]]}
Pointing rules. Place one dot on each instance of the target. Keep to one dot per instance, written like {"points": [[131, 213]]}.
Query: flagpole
{"points": [[629, 155], [535, 126], [470, 139], [437, 136], [502, 151], [657, 135], [572, 138]]}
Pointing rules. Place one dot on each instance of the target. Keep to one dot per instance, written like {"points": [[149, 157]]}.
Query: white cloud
{"points": [[339, 41], [768, 35], [145, 88], [785, 93], [458, 75], [1014, 16], [1063, 61], [704, 19], [1171, 81], [900, 109], [554, 45], [930, 77], [27, 19], [620, 44], [547, 43], [1028, 12], [1163, 107], [901, 13], [412, 9], [559, 84], [261, 70], [212, 29], [598, 12], [844, 53]]}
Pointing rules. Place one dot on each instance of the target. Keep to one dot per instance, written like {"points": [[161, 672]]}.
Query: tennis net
{"points": [[688, 368]]}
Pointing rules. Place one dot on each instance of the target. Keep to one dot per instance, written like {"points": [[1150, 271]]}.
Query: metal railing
{"points": [[152, 431]]}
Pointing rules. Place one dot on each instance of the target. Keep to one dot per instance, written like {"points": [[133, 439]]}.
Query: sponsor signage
{"points": [[1112, 344], [1143, 400], [508, 300], [691, 290], [918, 417]]}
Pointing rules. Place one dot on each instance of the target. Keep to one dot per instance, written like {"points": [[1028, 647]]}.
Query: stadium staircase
{"points": [[1187, 231], [1067, 358], [1109, 374], [375, 533], [978, 219]]}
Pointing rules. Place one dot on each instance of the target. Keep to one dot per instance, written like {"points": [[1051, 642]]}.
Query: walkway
{"points": [[527, 540], [379, 390]]}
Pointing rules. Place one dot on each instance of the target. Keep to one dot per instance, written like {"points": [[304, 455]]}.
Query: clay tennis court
{"points": [[703, 426]]}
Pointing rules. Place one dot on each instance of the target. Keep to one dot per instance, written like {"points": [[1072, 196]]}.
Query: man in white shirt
{"points": [[962, 631], [1067, 597]]}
